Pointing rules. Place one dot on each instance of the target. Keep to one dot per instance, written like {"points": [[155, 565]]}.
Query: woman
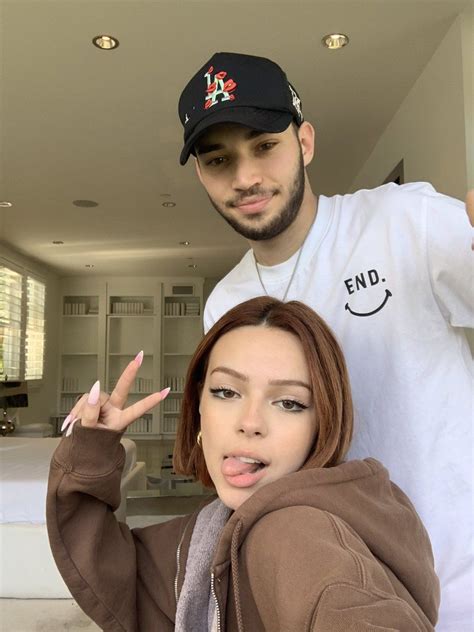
{"points": [[296, 538]]}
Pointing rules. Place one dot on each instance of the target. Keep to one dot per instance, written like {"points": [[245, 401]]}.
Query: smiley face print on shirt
{"points": [[367, 287]]}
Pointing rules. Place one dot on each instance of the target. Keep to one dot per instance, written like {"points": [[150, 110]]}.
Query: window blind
{"points": [[22, 325], [34, 339], [11, 290]]}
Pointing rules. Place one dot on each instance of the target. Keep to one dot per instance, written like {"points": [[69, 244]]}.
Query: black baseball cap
{"points": [[235, 88]]}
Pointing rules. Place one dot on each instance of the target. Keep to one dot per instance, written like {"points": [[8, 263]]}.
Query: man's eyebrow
{"points": [[254, 133], [225, 369], [206, 149], [203, 148]]}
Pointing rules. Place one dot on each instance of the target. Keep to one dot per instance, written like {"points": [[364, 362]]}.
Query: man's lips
{"points": [[253, 205]]}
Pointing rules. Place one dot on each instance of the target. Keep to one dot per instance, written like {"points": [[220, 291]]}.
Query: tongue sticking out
{"points": [[234, 467]]}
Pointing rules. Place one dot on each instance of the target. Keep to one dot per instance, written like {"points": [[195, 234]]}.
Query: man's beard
{"points": [[280, 222]]}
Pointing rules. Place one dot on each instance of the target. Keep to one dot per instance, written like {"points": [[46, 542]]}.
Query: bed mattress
{"points": [[24, 469]]}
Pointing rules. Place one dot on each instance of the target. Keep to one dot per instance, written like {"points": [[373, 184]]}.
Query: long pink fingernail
{"points": [[165, 392], [69, 430], [66, 422], [94, 394], [139, 358]]}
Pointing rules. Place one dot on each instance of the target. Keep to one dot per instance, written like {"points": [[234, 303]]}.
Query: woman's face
{"points": [[257, 413]]}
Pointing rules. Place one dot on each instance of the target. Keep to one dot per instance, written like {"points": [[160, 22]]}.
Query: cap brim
{"points": [[262, 120]]}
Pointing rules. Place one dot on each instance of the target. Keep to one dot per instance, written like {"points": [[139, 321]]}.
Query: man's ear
{"points": [[198, 169], [307, 136]]}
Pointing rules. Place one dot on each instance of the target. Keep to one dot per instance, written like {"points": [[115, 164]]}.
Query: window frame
{"points": [[25, 274]]}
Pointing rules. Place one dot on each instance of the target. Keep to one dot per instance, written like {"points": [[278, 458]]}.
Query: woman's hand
{"points": [[97, 409]]}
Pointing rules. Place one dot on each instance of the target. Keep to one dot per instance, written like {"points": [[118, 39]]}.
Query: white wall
{"points": [[42, 399], [433, 130], [467, 33], [429, 130]]}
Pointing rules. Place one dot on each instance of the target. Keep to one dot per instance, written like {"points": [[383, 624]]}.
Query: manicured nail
{"points": [[69, 430], [66, 422], [165, 392], [94, 394], [139, 358]]}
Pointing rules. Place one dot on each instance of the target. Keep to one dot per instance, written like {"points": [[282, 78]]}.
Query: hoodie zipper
{"points": [[218, 612], [178, 565]]}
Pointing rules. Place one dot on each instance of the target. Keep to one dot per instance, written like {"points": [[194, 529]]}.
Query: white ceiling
{"points": [[80, 123]]}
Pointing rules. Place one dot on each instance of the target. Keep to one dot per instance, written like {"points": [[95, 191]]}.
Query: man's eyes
{"points": [[219, 161], [267, 146], [216, 162]]}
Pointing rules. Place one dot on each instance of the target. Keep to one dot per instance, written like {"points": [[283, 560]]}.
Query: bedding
{"points": [[28, 568], [24, 469]]}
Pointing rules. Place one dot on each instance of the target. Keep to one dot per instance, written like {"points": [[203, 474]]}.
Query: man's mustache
{"points": [[250, 193]]}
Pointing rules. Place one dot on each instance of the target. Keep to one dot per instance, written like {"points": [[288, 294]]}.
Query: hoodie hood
{"points": [[362, 495]]}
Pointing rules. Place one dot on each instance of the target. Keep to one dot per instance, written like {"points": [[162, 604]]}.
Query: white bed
{"points": [[27, 566]]}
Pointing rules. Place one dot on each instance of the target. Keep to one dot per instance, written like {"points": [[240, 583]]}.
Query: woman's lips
{"points": [[238, 474], [255, 205]]}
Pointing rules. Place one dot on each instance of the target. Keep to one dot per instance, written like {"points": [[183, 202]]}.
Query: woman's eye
{"points": [[291, 405], [223, 393]]}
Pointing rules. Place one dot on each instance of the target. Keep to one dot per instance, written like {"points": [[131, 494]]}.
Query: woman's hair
{"points": [[328, 377]]}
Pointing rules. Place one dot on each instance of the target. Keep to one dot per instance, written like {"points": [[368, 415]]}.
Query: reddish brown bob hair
{"points": [[328, 377]]}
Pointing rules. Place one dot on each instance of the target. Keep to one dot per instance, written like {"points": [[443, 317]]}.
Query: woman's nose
{"points": [[252, 422]]}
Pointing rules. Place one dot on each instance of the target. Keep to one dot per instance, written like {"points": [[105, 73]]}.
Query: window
{"points": [[22, 325]]}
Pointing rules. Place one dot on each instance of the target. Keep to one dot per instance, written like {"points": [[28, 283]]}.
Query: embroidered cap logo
{"points": [[218, 87]]}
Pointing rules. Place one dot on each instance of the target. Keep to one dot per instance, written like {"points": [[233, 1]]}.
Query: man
{"points": [[389, 269]]}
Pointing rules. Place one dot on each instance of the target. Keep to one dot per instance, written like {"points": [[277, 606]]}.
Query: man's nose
{"points": [[246, 175]]}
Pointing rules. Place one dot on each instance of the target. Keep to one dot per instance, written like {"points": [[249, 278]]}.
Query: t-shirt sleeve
{"points": [[450, 258], [208, 319]]}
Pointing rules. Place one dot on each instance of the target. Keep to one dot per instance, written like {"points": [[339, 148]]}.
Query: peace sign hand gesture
{"points": [[97, 409]]}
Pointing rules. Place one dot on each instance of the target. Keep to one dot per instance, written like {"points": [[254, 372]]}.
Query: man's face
{"points": [[255, 180]]}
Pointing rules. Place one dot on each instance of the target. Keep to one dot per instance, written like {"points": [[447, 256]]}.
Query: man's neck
{"points": [[270, 252]]}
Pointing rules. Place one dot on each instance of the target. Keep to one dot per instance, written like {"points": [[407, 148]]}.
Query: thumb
{"points": [[91, 409]]}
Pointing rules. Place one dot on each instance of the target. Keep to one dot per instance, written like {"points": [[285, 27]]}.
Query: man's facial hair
{"points": [[280, 222]]}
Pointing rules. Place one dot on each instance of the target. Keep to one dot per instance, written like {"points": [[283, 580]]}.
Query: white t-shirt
{"points": [[390, 270]]}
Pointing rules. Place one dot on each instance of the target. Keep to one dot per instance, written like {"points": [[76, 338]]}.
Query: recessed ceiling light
{"points": [[89, 265], [57, 242], [105, 42], [335, 41], [85, 203], [168, 204], [184, 243], [6, 204], [192, 265]]}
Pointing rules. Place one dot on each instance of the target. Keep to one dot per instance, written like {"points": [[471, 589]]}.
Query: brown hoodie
{"points": [[320, 550]]}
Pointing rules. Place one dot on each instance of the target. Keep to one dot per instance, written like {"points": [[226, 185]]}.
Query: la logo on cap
{"points": [[217, 88]]}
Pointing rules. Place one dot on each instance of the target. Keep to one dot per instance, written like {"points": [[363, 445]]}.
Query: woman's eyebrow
{"points": [[244, 378], [290, 383], [225, 369]]}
